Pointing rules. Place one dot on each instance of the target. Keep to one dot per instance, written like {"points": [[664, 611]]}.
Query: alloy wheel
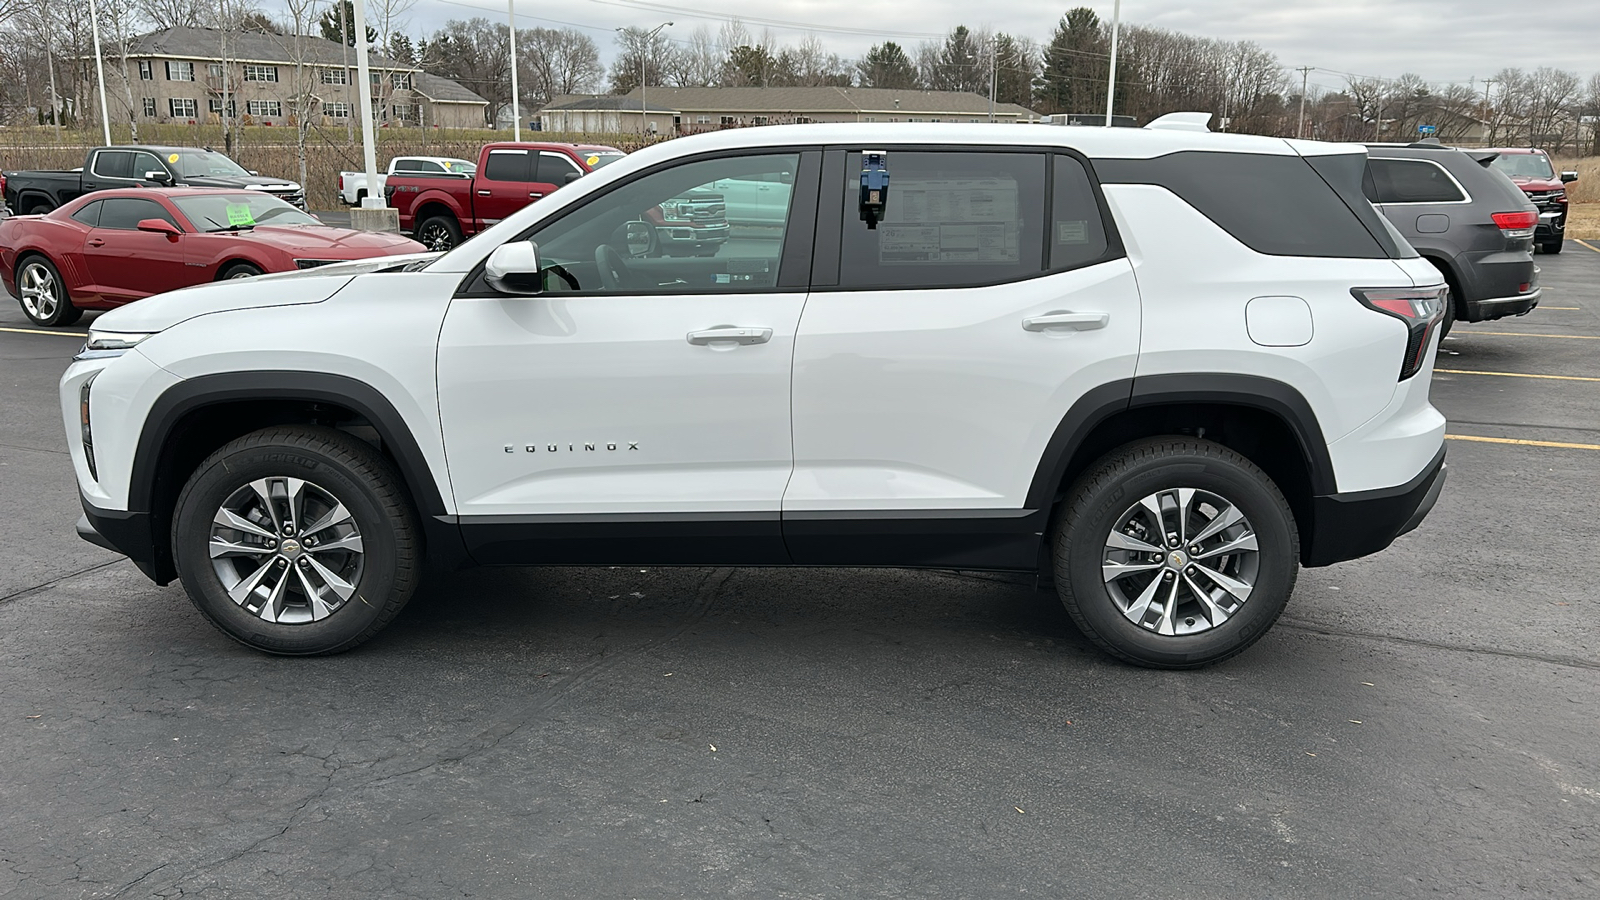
{"points": [[435, 237], [40, 291], [1181, 561], [286, 550]]}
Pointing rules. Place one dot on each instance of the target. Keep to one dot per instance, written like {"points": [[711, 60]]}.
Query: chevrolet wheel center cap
{"points": [[291, 548], [1175, 558]]}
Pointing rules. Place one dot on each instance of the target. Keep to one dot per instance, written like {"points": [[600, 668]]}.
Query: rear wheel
{"points": [[1455, 298], [297, 541], [1175, 553], [43, 295], [439, 232], [40, 207]]}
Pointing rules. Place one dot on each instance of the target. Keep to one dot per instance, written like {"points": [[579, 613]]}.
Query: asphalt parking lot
{"points": [[1420, 723]]}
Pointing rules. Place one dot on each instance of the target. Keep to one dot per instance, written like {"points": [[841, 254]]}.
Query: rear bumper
{"points": [[1500, 307], [1350, 526]]}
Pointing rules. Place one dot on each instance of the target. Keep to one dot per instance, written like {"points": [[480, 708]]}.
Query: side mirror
{"points": [[1568, 177], [513, 268], [254, 172], [159, 176], [786, 177], [160, 226], [640, 238], [571, 177]]}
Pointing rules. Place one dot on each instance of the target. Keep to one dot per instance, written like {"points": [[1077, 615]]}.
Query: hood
{"points": [[301, 239], [1532, 185], [163, 311], [246, 182]]}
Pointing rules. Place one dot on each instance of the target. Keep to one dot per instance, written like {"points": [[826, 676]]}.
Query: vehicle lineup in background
{"points": [[37, 192], [442, 209], [113, 247], [1530, 169], [1464, 217], [1164, 367], [353, 185]]}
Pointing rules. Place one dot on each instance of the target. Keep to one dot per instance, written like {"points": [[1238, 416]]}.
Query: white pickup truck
{"points": [[353, 185]]}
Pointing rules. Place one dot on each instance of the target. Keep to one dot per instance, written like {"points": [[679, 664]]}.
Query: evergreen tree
{"points": [[1015, 69], [329, 24], [887, 66], [959, 67], [1074, 65]]}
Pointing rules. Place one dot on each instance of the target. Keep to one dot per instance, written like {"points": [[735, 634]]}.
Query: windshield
{"points": [[597, 160], [234, 212], [200, 163], [1524, 165]]}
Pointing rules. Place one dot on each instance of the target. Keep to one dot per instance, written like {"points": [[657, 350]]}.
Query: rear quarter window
{"points": [[1277, 205], [1413, 181]]}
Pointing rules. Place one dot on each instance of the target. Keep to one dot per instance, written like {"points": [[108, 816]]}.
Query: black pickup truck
{"points": [[137, 166]]}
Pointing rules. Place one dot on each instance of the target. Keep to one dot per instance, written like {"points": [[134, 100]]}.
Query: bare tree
{"points": [[120, 20], [295, 36], [163, 14], [557, 61], [698, 62]]}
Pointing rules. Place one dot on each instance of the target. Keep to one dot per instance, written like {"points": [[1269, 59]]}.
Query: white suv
{"points": [[1168, 367]]}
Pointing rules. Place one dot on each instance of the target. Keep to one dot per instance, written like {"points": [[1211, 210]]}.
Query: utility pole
{"points": [[1111, 81], [994, 71], [99, 68], [1300, 127], [516, 102], [644, 48], [222, 54], [1488, 107], [50, 60]]}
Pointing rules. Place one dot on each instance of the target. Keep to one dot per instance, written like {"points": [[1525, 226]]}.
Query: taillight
{"points": [[341, 181], [1420, 308], [1516, 224]]}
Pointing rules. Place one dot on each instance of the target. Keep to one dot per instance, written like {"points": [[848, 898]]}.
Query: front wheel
{"points": [[1552, 246], [1175, 553], [297, 540], [439, 233], [239, 270]]}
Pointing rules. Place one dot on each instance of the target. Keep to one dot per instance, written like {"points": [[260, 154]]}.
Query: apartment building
{"points": [[187, 74]]}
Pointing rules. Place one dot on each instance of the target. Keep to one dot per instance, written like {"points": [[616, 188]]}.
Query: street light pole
{"points": [[99, 68], [644, 47], [1111, 81], [374, 198]]}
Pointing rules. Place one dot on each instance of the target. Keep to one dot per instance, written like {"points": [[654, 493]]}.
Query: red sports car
{"points": [[114, 247]]}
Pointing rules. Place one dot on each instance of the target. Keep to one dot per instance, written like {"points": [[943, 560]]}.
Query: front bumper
{"points": [[128, 533], [1350, 526]]}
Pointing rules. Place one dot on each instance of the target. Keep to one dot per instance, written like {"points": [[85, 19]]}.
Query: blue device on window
{"points": [[874, 186]]}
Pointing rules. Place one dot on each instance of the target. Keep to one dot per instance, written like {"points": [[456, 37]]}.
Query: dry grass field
{"points": [[1583, 216]]}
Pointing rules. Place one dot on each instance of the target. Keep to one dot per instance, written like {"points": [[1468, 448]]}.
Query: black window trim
{"points": [[826, 272], [797, 234], [1466, 194]]}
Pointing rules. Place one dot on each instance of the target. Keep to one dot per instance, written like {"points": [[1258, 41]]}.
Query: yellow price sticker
{"points": [[593, 160], [173, 158]]}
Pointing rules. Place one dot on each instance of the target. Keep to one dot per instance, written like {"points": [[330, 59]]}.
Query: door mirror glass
{"points": [[513, 268], [1569, 177], [639, 238], [786, 177], [160, 226], [158, 176]]}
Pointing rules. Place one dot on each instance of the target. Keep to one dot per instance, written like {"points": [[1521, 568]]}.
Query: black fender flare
{"points": [[193, 394], [1252, 391]]}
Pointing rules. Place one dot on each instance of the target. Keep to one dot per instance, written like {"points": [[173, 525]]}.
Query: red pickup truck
{"points": [[441, 209]]}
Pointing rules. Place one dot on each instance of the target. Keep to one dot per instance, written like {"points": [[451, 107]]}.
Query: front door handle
{"points": [[96, 242], [534, 196], [1062, 318], [730, 334], [483, 193]]}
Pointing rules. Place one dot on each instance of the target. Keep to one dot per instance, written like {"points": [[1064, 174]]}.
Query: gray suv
{"points": [[1466, 218]]}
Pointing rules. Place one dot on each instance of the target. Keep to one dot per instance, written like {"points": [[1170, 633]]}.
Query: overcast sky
{"points": [[1442, 40]]}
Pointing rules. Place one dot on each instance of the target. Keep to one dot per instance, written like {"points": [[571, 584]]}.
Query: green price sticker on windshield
{"points": [[239, 215]]}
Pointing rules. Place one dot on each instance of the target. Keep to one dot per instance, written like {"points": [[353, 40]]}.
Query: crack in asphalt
{"points": [[33, 449], [17, 595], [1567, 661]]}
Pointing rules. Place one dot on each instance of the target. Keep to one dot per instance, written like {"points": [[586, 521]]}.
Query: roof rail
{"points": [[1426, 143], [1182, 121]]}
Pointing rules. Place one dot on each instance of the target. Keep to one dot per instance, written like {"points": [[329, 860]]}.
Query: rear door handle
{"points": [[533, 196], [1062, 318], [730, 334], [483, 193]]}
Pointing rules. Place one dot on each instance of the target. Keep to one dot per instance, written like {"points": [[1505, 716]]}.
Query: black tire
{"points": [[1111, 489], [36, 273], [440, 232], [40, 207], [338, 466], [1552, 246], [360, 196], [239, 270], [1455, 298]]}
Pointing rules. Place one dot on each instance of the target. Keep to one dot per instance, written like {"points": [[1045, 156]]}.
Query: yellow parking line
{"points": [[1518, 375], [1494, 440], [1590, 246], [80, 334], [1572, 337]]}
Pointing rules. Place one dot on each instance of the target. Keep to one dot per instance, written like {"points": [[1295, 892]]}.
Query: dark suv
{"points": [[1466, 218], [1530, 169]]}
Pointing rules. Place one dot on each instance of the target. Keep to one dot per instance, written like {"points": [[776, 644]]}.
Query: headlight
{"points": [[104, 344], [313, 263]]}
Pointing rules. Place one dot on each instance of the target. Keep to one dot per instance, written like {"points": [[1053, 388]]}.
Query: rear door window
{"points": [[113, 164], [508, 165], [954, 219], [1413, 181]]}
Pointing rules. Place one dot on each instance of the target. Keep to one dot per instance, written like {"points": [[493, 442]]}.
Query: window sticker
{"points": [[593, 160], [173, 158], [239, 215], [1073, 232], [951, 220]]}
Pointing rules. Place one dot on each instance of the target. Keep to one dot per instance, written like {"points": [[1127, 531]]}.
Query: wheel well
{"points": [[429, 210], [201, 431], [1258, 435], [28, 200], [1450, 278], [228, 264]]}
